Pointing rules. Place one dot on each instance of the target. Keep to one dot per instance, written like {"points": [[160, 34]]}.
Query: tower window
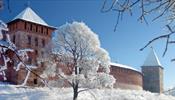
{"points": [[15, 26], [41, 29], [30, 61], [29, 40], [25, 26], [47, 31], [36, 28], [36, 62], [43, 42], [14, 38], [36, 41], [35, 81], [30, 27], [33, 28], [36, 52]]}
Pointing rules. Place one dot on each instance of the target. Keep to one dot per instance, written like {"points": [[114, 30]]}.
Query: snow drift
{"points": [[12, 92]]}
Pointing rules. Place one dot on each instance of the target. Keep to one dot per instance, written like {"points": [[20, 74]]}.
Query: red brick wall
{"points": [[30, 27], [126, 76]]}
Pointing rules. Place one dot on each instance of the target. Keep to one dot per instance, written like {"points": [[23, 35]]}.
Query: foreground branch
{"points": [[18, 57], [166, 36], [147, 7]]}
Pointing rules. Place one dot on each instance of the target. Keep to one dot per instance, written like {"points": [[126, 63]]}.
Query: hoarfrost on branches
{"points": [[49, 71], [76, 47]]}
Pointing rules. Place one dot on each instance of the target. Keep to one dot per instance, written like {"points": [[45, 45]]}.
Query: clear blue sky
{"points": [[122, 45]]}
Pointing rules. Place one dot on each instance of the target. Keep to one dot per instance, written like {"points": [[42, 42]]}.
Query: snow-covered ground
{"points": [[170, 91], [11, 92]]}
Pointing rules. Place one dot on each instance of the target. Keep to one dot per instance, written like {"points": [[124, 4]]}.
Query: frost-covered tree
{"points": [[77, 57], [19, 58]]}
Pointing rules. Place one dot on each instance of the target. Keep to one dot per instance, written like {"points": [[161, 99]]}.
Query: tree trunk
{"points": [[75, 89]]}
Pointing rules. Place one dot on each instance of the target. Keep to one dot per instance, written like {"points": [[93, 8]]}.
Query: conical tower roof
{"points": [[29, 15], [152, 59]]}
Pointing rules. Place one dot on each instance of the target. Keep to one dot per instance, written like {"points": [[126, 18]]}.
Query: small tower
{"points": [[152, 73]]}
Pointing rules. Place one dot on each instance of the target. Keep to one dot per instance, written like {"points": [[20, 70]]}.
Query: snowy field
{"points": [[11, 92]]}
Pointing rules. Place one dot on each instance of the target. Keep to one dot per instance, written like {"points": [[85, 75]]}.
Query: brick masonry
{"points": [[126, 78]]}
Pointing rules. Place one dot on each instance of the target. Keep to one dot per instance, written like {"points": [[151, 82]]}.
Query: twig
{"points": [[146, 6], [166, 36]]}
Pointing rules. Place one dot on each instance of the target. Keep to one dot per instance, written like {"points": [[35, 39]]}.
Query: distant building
{"points": [[152, 73], [150, 78]]}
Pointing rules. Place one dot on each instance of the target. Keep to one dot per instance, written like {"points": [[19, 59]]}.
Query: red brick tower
{"points": [[28, 30]]}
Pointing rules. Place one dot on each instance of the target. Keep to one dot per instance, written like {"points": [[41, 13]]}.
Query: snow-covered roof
{"points": [[123, 66], [29, 15], [152, 59]]}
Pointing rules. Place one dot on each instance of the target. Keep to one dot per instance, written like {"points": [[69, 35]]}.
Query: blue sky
{"points": [[122, 45]]}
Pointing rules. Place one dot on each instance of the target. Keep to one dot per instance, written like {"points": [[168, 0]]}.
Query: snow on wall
{"points": [[123, 66]]}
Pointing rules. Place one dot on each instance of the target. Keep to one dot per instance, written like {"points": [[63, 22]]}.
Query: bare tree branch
{"points": [[166, 36], [65, 79], [84, 90], [158, 7]]}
